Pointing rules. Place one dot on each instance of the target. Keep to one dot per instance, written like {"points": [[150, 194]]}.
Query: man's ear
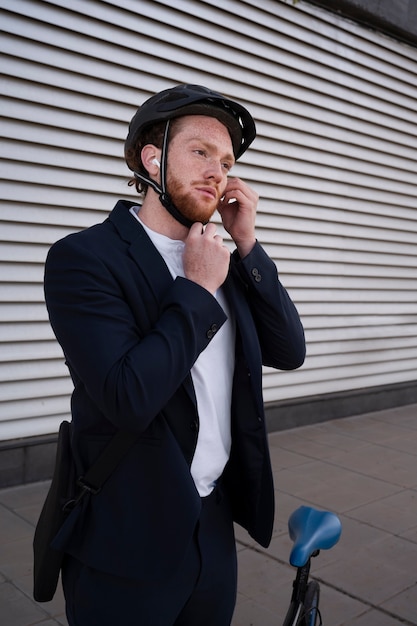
{"points": [[150, 156]]}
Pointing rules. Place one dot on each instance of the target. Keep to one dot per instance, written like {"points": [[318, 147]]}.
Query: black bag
{"points": [[47, 561], [65, 494]]}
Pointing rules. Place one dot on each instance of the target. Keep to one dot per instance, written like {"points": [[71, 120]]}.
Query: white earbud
{"points": [[156, 162]]}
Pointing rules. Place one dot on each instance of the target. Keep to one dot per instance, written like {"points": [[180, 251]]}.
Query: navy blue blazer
{"points": [[130, 335]]}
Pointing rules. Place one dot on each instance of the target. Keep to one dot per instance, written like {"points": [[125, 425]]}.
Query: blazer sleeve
{"points": [[279, 328], [129, 365]]}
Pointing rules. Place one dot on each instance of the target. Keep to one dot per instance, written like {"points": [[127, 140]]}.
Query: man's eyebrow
{"points": [[229, 156]]}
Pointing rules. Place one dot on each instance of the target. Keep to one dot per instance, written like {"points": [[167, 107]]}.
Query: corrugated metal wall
{"points": [[335, 163]]}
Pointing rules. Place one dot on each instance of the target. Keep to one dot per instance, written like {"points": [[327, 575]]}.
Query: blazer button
{"points": [[211, 331], [256, 275], [194, 425]]}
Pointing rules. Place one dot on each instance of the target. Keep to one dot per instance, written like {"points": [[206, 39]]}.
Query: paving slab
{"points": [[364, 468]]}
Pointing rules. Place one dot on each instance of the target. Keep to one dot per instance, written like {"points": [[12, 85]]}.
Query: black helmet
{"points": [[176, 102], [191, 100]]}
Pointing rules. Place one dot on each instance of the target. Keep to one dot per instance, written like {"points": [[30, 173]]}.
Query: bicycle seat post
{"points": [[300, 582]]}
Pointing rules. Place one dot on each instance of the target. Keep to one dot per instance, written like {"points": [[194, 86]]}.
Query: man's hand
{"points": [[238, 211], [206, 259]]}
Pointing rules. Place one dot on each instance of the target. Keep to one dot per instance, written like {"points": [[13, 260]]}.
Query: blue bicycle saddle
{"points": [[312, 530]]}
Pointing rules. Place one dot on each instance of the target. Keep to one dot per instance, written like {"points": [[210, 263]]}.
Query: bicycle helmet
{"points": [[176, 102]]}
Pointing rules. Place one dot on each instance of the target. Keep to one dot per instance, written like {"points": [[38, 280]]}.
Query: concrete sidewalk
{"points": [[364, 468]]}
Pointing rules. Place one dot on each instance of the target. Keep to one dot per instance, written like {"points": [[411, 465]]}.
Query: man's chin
{"points": [[198, 215], [195, 209]]}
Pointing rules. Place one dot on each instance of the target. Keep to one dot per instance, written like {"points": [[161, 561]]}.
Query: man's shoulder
{"points": [[118, 218]]}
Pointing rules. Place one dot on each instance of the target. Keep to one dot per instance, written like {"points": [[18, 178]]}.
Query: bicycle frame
{"points": [[311, 531], [296, 609]]}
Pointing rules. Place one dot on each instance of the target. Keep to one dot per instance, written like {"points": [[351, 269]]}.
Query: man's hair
{"points": [[153, 134]]}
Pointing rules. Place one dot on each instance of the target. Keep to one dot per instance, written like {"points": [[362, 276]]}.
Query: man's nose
{"points": [[214, 170]]}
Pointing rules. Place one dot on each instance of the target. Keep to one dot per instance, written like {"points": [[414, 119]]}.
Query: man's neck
{"points": [[157, 218]]}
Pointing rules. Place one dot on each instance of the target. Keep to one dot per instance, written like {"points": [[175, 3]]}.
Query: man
{"points": [[165, 333]]}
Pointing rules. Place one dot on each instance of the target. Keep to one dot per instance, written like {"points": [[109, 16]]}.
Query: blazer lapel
{"points": [[152, 266], [150, 263]]}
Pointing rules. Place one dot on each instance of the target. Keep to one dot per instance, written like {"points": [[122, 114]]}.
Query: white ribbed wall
{"points": [[335, 163]]}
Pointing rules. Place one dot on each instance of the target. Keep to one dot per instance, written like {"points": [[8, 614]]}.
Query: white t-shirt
{"points": [[212, 376]]}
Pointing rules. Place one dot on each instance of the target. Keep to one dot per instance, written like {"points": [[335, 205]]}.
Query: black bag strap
{"points": [[108, 460], [103, 467]]}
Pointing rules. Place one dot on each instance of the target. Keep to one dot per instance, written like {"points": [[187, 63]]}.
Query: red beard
{"points": [[187, 206]]}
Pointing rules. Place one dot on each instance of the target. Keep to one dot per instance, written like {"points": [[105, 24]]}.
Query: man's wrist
{"points": [[245, 247]]}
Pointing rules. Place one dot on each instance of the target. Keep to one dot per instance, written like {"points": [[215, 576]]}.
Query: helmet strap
{"points": [[164, 197]]}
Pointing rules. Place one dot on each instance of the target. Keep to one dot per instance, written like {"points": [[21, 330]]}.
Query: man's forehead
{"points": [[205, 128]]}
